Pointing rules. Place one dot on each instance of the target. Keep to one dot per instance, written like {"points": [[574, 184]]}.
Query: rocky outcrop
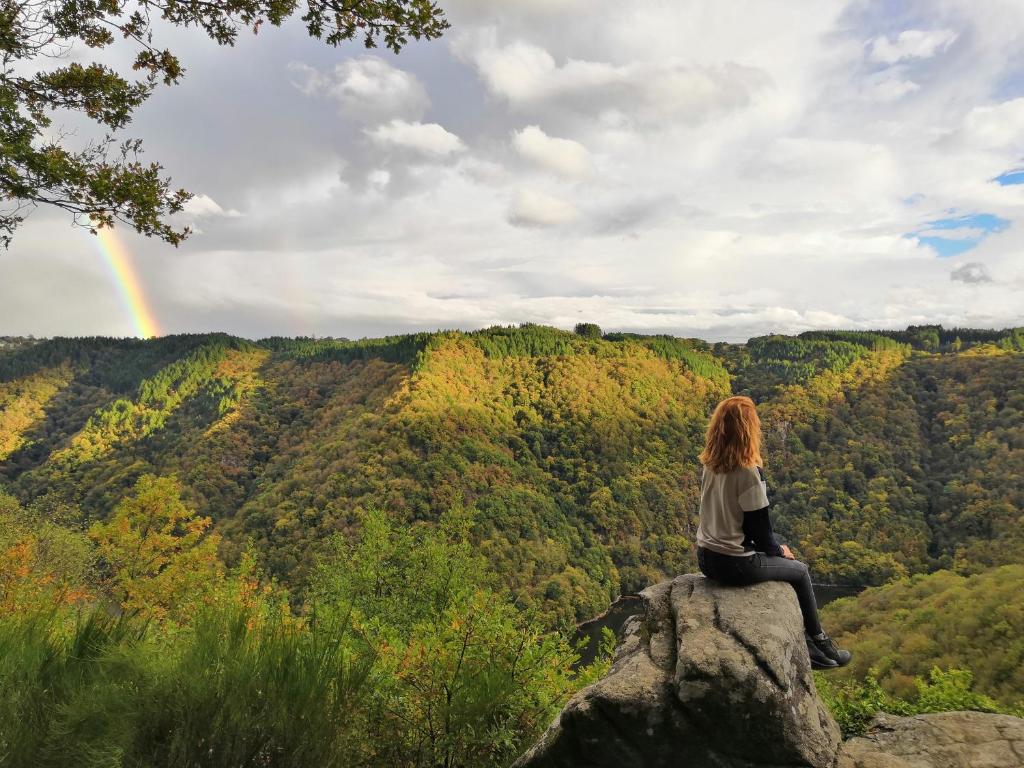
{"points": [[943, 740], [710, 675], [706, 675]]}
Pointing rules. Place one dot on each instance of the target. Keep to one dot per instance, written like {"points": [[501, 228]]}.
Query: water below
{"points": [[629, 605]]}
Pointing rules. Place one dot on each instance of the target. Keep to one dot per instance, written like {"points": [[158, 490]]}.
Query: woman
{"points": [[735, 541]]}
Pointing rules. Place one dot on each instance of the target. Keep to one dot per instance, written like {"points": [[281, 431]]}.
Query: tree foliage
{"points": [[406, 653], [105, 180], [462, 674], [42, 563], [157, 555], [577, 455], [437, 503], [572, 450], [854, 703], [901, 630]]}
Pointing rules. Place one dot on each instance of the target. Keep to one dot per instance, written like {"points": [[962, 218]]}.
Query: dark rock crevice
{"points": [[762, 663]]}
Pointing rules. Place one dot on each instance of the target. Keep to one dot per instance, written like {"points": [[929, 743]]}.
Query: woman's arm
{"points": [[757, 525], [757, 530]]}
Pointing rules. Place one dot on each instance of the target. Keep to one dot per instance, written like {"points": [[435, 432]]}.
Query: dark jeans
{"points": [[758, 567]]}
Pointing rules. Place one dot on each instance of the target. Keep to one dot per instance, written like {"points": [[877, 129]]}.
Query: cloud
{"points": [[911, 44], [425, 138], [485, 10], [563, 156], [955, 235], [971, 272], [770, 168], [536, 209], [366, 89], [527, 75], [995, 126], [379, 178], [203, 205], [889, 87], [316, 187]]}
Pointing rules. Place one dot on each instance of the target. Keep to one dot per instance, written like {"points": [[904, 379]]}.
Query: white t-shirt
{"points": [[723, 500]]}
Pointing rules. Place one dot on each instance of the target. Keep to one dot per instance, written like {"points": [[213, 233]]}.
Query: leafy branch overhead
{"points": [[106, 180]]}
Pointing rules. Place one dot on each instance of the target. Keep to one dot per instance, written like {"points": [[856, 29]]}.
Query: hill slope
{"points": [[942, 619], [886, 454]]}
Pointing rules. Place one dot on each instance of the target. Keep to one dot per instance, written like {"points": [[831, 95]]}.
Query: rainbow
{"points": [[122, 269]]}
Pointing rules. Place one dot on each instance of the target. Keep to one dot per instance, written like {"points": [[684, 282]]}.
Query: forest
{"points": [[398, 535]]}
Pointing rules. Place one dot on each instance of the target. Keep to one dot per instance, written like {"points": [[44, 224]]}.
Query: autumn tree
{"points": [[157, 553], [42, 564], [106, 180]]}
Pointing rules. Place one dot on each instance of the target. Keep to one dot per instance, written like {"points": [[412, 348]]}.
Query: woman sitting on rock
{"points": [[735, 541]]}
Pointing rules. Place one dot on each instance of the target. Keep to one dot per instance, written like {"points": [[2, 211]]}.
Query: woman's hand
{"points": [[786, 552]]}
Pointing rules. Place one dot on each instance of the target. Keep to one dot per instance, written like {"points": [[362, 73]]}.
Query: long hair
{"points": [[734, 436]]}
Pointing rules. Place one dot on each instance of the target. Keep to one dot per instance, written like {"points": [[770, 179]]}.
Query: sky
{"points": [[709, 168]]}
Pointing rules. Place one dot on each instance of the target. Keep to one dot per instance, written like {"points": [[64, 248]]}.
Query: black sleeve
{"points": [[757, 532]]}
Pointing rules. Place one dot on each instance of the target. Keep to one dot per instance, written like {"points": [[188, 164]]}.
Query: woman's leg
{"points": [[760, 567]]}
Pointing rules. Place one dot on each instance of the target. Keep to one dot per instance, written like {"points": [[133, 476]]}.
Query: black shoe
{"points": [[826, 645], [818, 659]]}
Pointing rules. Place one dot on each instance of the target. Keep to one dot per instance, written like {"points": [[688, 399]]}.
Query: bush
{"points": [[464, 677], [404, 657], [855, 703], [234, 688]]}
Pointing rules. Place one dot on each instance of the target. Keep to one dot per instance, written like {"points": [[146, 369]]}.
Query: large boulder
{"points": [[943, 740], [705, 675]]}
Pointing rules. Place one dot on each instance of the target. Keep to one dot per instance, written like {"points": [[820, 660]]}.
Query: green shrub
{"points": [[465, 678], [854, 703]]}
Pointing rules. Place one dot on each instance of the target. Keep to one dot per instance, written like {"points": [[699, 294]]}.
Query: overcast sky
{"points": [[718, 169]]}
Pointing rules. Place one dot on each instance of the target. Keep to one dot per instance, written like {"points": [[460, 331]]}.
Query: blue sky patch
{"points": [[958, 234], [1010, 177]]}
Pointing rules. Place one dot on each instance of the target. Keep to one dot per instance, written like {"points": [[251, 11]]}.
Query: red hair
{"points": [[734, 436]]}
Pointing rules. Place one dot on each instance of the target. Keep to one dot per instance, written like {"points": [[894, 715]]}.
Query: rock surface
{"points": [[943, 740], [706, 675]]}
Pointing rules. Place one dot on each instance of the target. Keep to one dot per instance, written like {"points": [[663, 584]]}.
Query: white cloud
{"points": [[486, 173], [525, 75], [996, 126], [760, 168], [890, 88], [366, 89], [955, 233], [563, 156], [518, 71], [315, 187], [536, 209], [426, 138], [204, 205], [379, 178], [911, 44]]}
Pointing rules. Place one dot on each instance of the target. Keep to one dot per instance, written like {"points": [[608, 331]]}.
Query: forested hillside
{"points": [[904, 629], [329, 552], [575, 454]]}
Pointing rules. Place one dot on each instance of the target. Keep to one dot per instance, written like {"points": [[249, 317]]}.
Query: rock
{"points": [[706, 675], [942, 740]]}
